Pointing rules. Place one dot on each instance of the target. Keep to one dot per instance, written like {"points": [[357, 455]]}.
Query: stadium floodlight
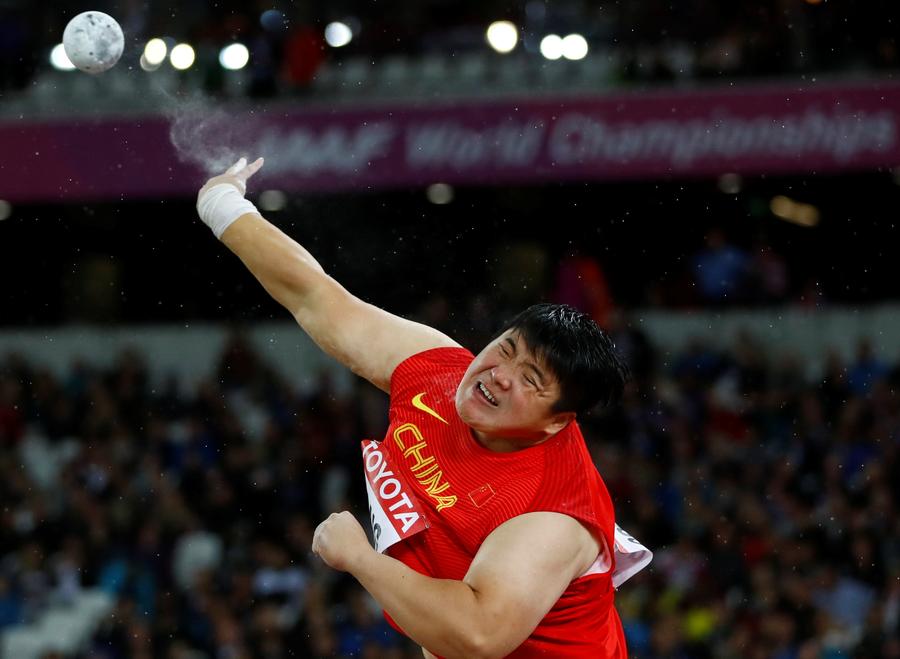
{"points": [[338, 34], [502, 36], [795, 212], [272, 201], [806, 215], [155, 52], [574, 47], [234, 56], [552, 46], [182, 56], [439, 193], [731, 183], [60, 60]]}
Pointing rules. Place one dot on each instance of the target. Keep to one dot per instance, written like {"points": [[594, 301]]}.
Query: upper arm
{"points": [[522, 569], [366, 339]]}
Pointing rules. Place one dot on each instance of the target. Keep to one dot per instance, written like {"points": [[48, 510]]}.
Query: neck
{"points": [[506, 444]]}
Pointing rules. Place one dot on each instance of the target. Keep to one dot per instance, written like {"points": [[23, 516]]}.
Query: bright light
{"points": [[155, 52], [338, 34], [59, 59], [552, 46], [272, 201], [502, 36], [782, 206], [805, 215], [439, 193], [182, 56], [574, 47], [730, 183], [234, 56], [5, 209], [147, 66]]}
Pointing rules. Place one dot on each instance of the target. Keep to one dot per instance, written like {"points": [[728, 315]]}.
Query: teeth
{"points": [[487, 393]]}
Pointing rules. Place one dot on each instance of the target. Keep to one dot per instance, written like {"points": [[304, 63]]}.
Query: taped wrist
{"points": [[221, 205]]}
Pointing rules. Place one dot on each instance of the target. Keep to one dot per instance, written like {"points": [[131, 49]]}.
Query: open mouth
{"points": [[486, 393]]}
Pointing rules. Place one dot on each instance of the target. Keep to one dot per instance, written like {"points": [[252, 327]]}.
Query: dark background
{"points": [[167, 266], [763, 481]]}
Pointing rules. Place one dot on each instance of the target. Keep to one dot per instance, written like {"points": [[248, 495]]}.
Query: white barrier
{"points": [[188, 351], [191, 351]]}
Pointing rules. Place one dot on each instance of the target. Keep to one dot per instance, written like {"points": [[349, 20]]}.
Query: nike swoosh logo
{"points": [[419, 405]]}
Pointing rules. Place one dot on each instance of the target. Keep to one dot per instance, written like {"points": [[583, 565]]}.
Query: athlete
{"points": [[494, 533]]}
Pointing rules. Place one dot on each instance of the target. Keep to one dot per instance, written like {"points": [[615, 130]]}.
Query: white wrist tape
{"points": [[221, 205]]}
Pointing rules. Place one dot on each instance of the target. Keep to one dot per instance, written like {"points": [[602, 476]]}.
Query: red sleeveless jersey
{"points": [[466, 491]]}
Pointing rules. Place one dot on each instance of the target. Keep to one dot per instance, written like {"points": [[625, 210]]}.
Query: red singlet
{"points": [[466, 491]]}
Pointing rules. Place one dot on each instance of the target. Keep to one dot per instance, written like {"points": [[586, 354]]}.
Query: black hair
{"points": [[581, 355]]}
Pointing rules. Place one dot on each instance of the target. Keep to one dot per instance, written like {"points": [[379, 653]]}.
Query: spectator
{"points": [[867, 369], [767, 496], [581, 283], [721, 270], [10, 604], [769, 271]]}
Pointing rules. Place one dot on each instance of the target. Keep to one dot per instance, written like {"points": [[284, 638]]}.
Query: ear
{"points": [[558, 422]]}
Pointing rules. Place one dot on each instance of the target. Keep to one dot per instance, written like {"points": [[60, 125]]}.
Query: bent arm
{"points": [[516, 577], [368, 340]]}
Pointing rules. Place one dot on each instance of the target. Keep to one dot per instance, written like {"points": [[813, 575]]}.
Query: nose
{"points": [[499, 377]]}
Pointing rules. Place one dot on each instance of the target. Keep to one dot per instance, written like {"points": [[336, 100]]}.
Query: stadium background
{"points": [[169, 440]]}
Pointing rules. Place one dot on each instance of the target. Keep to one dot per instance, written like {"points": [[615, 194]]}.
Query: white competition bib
{"points": [[393, 510], [631, 558]]}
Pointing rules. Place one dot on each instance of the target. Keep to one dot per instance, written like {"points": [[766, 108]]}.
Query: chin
{"points": [[470, 413], [465, 412]]}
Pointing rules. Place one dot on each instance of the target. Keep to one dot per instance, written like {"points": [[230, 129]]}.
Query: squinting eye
{"points": [[531, 382]]}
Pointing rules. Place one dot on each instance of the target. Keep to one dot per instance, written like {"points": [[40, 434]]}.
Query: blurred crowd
{"points": [[650, 39], [768, 497]]}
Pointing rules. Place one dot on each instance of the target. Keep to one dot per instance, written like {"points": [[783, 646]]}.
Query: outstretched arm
{"points": [[368, 340], [516, 577]]}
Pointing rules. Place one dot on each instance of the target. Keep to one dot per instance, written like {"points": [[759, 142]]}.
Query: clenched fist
{"points": [[341, 542]]}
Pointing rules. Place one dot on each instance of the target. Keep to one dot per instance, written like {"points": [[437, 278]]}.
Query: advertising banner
{"points": [[751, 129]]}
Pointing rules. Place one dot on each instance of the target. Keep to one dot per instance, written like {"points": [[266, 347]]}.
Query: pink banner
{"points": [[749, 129]]}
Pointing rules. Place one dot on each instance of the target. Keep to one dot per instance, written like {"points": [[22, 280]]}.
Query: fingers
{"points": [[242, 169], [239, 172], [236, 167], [316, 540], [321, 530], [251, 169]]}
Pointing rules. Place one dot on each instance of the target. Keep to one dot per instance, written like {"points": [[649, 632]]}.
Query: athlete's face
{"points": [[508, 394]]}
